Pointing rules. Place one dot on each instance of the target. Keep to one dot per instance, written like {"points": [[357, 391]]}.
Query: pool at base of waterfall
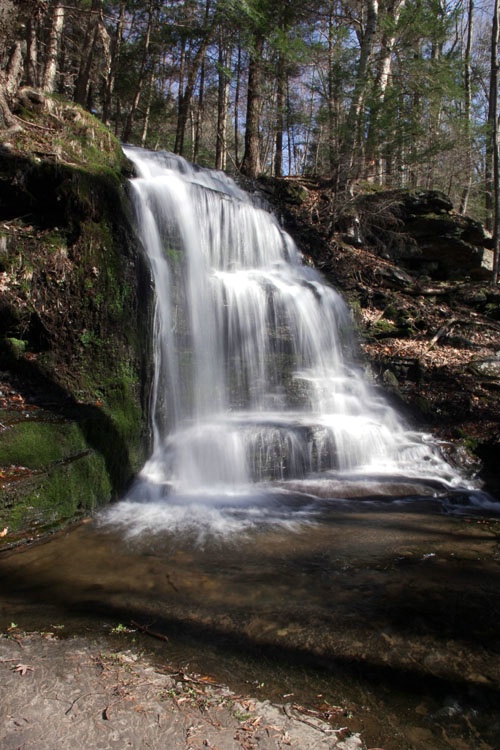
{"points": [[383, 610]]}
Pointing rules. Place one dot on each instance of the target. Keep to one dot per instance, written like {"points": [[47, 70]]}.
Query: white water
{"points": [[255, 398]]}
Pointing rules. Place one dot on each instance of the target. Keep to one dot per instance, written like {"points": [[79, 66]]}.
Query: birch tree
{"points": [[54, 43], [375, 141], [367, 31], [494, 186]]}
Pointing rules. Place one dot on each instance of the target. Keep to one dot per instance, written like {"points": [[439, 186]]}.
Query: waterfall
{"points": [[256, 389]]}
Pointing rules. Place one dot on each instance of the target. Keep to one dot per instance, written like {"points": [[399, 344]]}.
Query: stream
{"points": [[382, 614]]}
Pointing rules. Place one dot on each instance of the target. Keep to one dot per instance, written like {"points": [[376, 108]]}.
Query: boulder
{"points": [[420, 231]]}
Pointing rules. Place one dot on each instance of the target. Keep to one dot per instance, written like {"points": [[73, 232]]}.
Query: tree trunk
{"points": [[198, 131], [280, 118], [147, 113], [467, 109], [50, 72], [115, 51], [186, 96], [32, 32], [10, 80], [349, 165], [88, 50], [127, 131], [374, 158], [222, 103], [236, 110], [250, 164], [182, 75], [493, 123], [332, 102]]}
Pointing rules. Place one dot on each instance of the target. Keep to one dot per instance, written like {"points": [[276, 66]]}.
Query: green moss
{"points": [[122, 397], [15, 347], [74, 137], [55, 240], [61, 493], [36, 444], [384, 327], [90, 339]]}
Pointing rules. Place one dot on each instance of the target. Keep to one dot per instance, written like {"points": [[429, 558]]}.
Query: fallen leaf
{"points": [[22, 669]]}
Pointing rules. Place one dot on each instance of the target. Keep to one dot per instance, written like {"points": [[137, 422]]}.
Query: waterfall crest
{"points": [[255, 384]]}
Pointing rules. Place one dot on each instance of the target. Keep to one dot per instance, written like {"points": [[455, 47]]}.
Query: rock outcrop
{"points": [[73, 316], [419, 230]]}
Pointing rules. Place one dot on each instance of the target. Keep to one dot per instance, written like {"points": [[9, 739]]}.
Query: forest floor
{"points": [[57, 694]]}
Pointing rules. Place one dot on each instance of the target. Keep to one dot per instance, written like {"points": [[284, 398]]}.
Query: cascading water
{"points": [[255, 394]]}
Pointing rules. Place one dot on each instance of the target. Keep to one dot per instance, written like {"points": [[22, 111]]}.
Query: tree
{"points": [[12, 17], [114, 58], [96, 42], [193, 59], [250, 164], [350, 156], [493, 138], [468, 107], [393, 91], [54, 43], [141, 76], [223, 79], [375, 166]]}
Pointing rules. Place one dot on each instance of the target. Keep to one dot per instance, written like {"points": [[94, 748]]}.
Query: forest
{"points": [[362, 93]]}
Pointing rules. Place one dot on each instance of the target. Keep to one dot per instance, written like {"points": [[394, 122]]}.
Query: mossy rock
{"points": [[47, 499], [35, 444], [54, 468], [74, 320]]}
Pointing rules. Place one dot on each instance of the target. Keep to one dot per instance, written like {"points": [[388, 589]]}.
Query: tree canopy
{"points": [[395, 93]]}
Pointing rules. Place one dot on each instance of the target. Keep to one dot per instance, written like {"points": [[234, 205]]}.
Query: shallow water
{"points": [[389, 610]]}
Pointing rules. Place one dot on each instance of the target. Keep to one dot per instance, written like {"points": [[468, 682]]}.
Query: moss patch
{"points": [[65, 133], [34, 444], [60, 493]]}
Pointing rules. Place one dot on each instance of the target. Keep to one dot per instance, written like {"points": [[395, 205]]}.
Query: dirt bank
{"points": [[57, 694]]}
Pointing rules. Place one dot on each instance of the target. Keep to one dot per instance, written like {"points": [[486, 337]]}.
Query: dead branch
{"points": [[34, 125], [148, 631], [448, 327]]}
